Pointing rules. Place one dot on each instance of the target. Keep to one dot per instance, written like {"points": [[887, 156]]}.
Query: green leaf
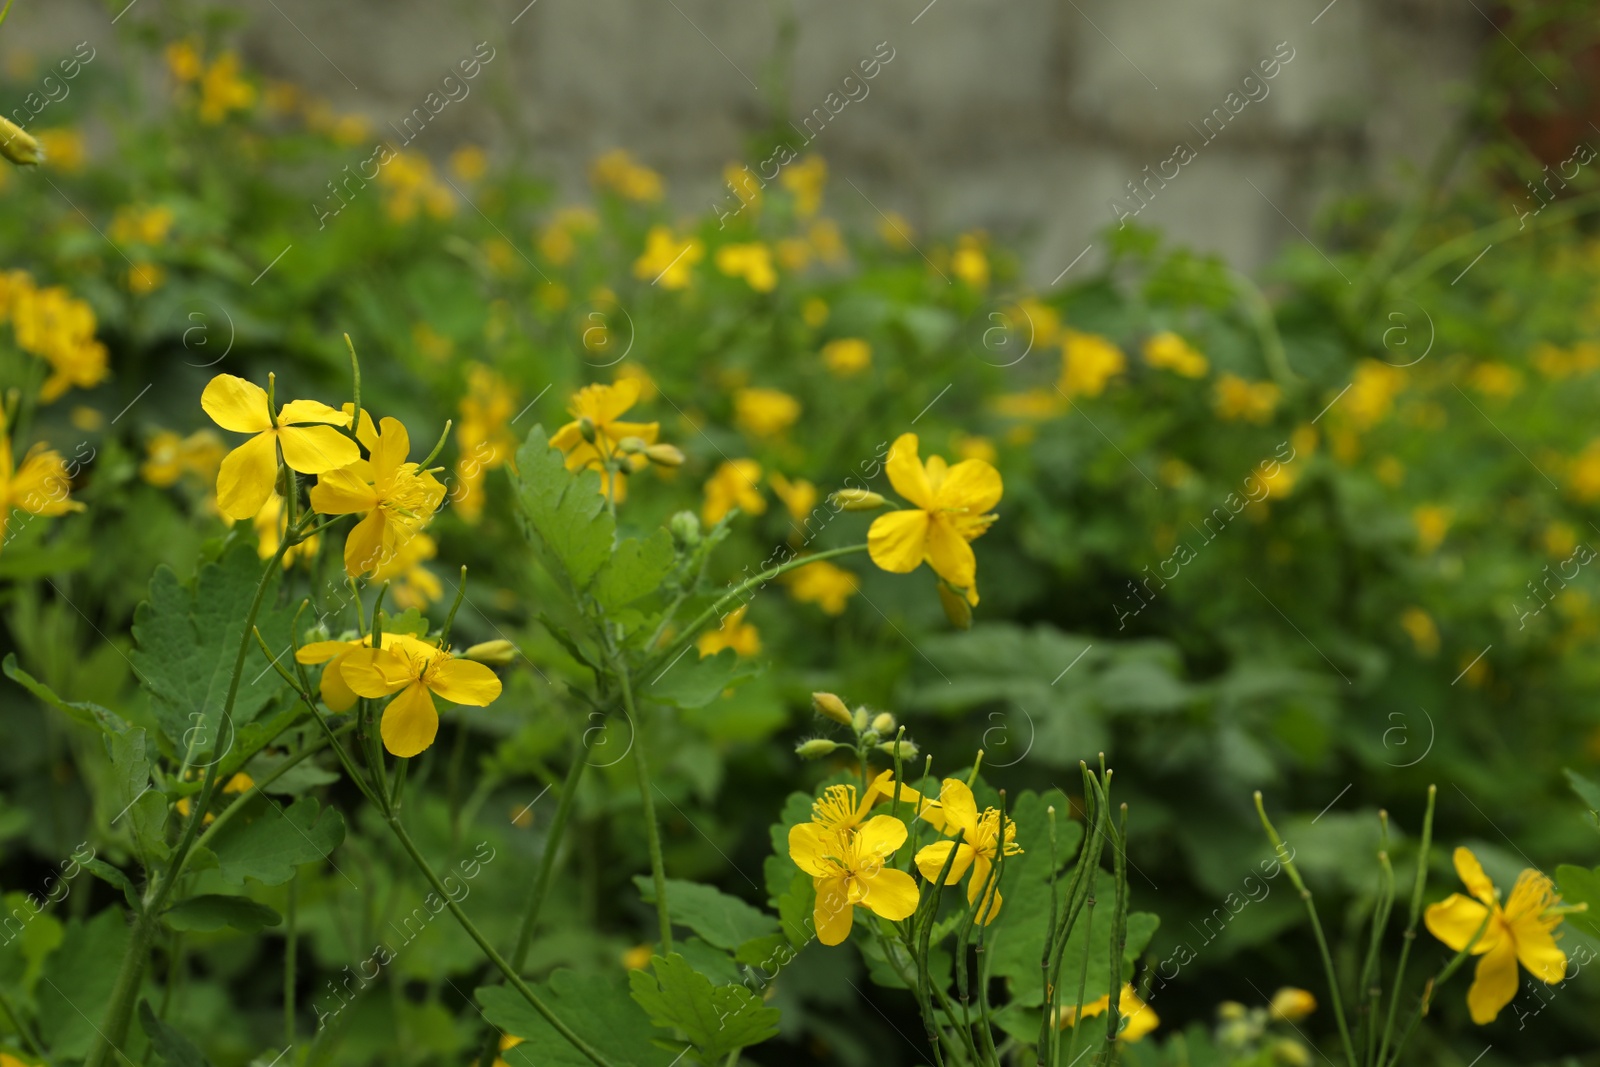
{"points": [[1588, 791], [23, 952], [267, 842], [170, 1045], [76, 983], [188, 639], [691, 682], [716, 1019], [112, 876], [724, 921], [1580, 885], [565, 513], [139, 805], [795, 908], [213, 911], [410, 621], [595, 1007], [636, 569], [89, 714]]}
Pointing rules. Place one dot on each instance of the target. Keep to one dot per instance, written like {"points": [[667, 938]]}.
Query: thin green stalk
{"points": [[1368, 986], [1457, 247], [1083, 975], [21, 1028], [1438, 980], [489, 951], [1316, 929], [1078, 891], [450, 619], [547, 863], [290, 947], [1423, 851], [1119, 936], [658, 870]]}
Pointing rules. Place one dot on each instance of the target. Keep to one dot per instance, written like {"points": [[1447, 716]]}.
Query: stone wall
{"points": [[1024, 117]]}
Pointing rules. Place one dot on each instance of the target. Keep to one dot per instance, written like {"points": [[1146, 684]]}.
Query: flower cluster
{"points": [[598, 439], [52, 324]]}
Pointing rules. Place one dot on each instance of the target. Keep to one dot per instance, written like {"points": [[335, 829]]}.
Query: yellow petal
{"points": [[373, 672], [1138, 1017], [461, 681], [296, 412], [960, 809], [409, 722], [567, 438], [880, 836], [981, 868], [336, 692], [809, 846], [237, 405], [906, 473], [364, 548], [246, 477], [891, 894], [898, 541], [1472, 876], [1455, 919], [931, 860], [611, 401], [322, 651], [394, 445], [971, 484], [314, 449], [1538, 953], [342, 492], [833, 913], [41, 484], [950, 555], [1495, 982]]}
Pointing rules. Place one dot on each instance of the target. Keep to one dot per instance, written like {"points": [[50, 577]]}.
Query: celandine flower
{"points": [[39, 486], [980, 847], [249, 472], [336, 692], [600, 408], [1138, 1018], [851, 871], [416, 671], [950, 508], [1519, 931], [734, 484], [397, 497]]}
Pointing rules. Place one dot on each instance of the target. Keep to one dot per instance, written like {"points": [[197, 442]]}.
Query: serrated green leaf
{"points": [[188, 641], [564, 512], [637, 568], [169, 1043], [112, 876], [795, 908], [595, 1007], [213, 911], [1579, 885], [410, 621], [267, 842], [724, 921], [141, 808], [75, 984], [716, 1019], [80, 711], [692, 682]]}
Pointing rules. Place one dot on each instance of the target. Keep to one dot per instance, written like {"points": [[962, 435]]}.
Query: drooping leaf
{"points": [[188, 642], [169, 1043], [636, 569], [724, 921], [140, 806], [692, 682], [267, 841], [564, 512], [597, 1008], [85, 712], [716, 1019], [213, 911], [76, 982]]}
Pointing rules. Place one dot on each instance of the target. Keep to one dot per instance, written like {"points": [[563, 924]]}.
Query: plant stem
{"points": [[1423, 851], [18, 1025], [658, 870], [547, 863], [488, 950]]}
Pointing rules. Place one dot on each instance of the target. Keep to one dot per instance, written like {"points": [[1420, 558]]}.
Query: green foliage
{"points": [[597, 1008], [724, 921], [715, 1019], [169, 1043], [565, 515], [267, 841], [213, 911]]}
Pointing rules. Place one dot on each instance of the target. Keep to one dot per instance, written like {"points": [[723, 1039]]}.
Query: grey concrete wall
{"points": [[1024, 117]]}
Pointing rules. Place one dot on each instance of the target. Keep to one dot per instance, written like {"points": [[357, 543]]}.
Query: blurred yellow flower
{"points": [[1390, 471], [648, 390], [1560, 538], [806, 180], [896, 231], [145, 278], [734, 484], [973, 446], [411, 584], [734, 633], [598, 409], [637, 958], [799, 496], [148, 225], [1291, 1005], [823, 584], [1034, 319], [1036, 405], [847, 356], [814, 312], [1170, 352], [57, 327], [222, 89], [483, 437], [1371, 394], [794, 254], [618, 172], [668, 260], [1424, 634], [752, 262], [1240, 400], [827, 241], [1088, 362], [1138, 1017], [968, 262], [559, 239], [183, 59], [950, 508], [469, 162], [64, 149], [1432, 522], [168, 457], [1583, 473], [744, 185], [410, 186], [764, 412], [39, 486], [269, 526], [1495, 380]]}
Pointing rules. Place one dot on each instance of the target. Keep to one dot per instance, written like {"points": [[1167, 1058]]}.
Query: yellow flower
{"points": [[823, 584], [558, 240], [734, 633], [1171, 352], [764, 412], [416, 671], [1373, 388], [222, 89], [814, 312], [950, 508], [469, 162], [1035, 405], [141, 225], [752, 262], [839, 811], [39, 487], [269, 535], [336, 693], [734, 484], [1495, 380], [827, 241], [806, 180], [847, 356], [618, 172], [145, 278], [851, 870], [799, 496], [896, 231], [1238, 400], [981, 847], [974, 446], [602, 406], [395, 497], [1432, 522], [1291, 1005], [1138, 1018], [1521, 931], [637, 958], [168, 457], [415, 586], [59, 328], [1088, 362], [301, 431], [1043, 322], [744, 185], [507, 1041], [64, 149], [410, 187], [483, 437], [183, 60], [1422, 630], [968, 262], [1583, 473], [668, 261]]}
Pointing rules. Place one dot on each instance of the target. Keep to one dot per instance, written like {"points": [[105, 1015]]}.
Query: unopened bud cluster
{"points": [[873, 730]]}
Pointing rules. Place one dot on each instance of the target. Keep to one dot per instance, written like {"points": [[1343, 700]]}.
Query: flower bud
{"points": [[858, 721], [18, 145], [664, 455], [586, 429], [907, 750], [956, 608], [831, 707], [883, 724], [1230, 1009], [858, 499], [496, 653], [685, 527], [1290, 1052], [632, 445], [816, 748], [1291, 1005]]}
